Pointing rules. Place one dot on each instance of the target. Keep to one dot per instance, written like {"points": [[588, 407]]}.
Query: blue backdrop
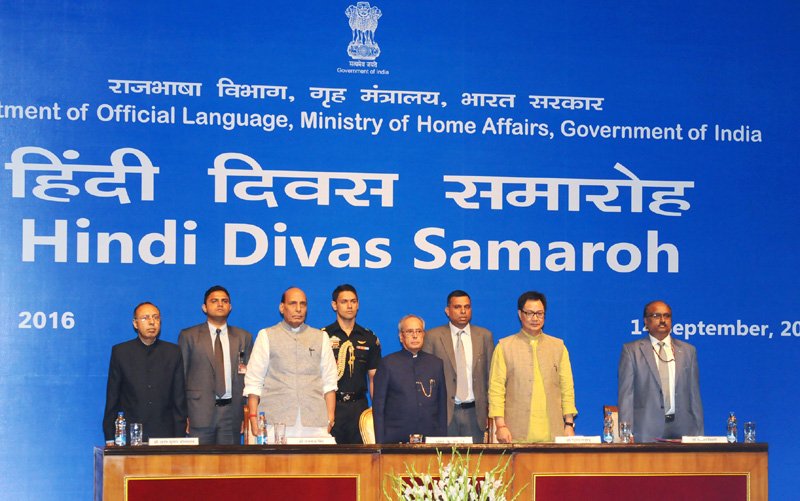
{"points": [[605, 155]]}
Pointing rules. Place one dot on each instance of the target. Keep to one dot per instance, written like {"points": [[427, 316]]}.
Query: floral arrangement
{"points": [[451, 482]]}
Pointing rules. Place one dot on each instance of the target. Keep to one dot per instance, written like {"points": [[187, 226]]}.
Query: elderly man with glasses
{"points": [[146, 380], [531, 392], [410, 395], [659, 388]]}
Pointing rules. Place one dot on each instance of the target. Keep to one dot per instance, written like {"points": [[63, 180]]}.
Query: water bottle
{"points": [[262, 429], [608, 428], [732, 431], [120, 438]]}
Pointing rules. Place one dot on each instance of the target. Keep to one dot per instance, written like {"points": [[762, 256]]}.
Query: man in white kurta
{"points": [[291, 375]]}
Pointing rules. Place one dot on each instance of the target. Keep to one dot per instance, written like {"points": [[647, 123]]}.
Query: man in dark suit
{"points": [[410, 396], [466, 351], [659, 388], [145, 381], [215, 357]]}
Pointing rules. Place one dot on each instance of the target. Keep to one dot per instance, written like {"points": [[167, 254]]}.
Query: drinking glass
{"points": [[625, 432], [280, 433], [749, 432], [136, 433]]}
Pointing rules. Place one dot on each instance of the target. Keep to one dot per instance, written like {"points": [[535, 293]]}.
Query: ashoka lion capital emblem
{"points": [[363, 23]]}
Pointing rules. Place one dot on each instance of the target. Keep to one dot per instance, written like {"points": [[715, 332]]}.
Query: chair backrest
{"points": [[615, 418], [367, 427]]}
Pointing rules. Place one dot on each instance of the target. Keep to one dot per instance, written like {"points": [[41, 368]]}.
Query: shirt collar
{"points": [[293, 330], [667, 341], [213, 329], [455, 330], [147, 346], [531, 337], [339, 329]]}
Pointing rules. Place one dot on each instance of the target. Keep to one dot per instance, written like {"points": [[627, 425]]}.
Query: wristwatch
{"points": [[570, 423]]}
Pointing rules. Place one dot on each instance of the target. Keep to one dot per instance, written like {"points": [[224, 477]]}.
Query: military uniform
{"points": [[355, 356]]}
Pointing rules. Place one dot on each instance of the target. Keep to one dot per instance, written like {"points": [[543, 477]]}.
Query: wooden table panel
{"points": [[372, 463], [363, 465]]}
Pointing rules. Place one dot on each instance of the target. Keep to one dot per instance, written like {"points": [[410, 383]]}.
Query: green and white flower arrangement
{"points": [[452, 481]]}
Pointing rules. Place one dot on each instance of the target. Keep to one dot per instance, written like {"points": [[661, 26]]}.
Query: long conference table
{"points": [[540, 472]]}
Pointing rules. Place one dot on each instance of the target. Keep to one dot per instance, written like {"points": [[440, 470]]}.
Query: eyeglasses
{"points": [[659, 316], [532, 314], [147, 318], [409, 332]]}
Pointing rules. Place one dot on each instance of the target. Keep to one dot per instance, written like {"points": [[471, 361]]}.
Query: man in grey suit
{"points": [[461, 344], [659, 388], [215, 357]]}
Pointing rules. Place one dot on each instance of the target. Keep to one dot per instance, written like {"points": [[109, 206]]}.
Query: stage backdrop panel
{"points": [[606, 155]]}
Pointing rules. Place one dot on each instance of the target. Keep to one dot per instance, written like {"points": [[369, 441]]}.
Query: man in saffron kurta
{"points": [[531, 391]]}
